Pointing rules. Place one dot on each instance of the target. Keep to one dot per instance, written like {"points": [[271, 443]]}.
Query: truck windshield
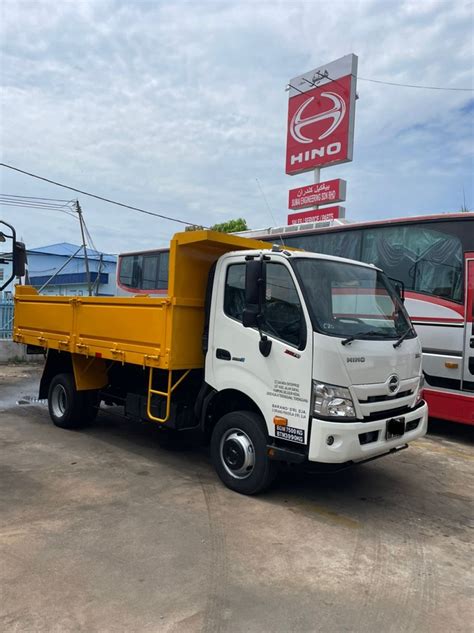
{"points": [[347, 300]]}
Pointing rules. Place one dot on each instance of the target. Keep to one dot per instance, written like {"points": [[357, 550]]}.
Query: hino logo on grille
{"points": [[393, 383], [336, 113], [356, 359]]}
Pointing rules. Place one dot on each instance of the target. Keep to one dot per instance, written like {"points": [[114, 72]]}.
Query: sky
{"points": [[180, 108]]}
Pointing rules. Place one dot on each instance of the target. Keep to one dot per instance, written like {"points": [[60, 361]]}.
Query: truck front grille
{"points": [[391, 413], [400, 394]]}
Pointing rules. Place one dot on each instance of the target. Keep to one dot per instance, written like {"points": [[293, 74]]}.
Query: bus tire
{"points": [[69, 408], [239, 453]]}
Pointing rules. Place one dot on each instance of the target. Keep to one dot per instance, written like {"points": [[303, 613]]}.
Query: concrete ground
{"points": [[110, 529]]}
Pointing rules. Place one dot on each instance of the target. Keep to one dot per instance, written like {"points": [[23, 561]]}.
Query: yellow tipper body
{"points": [[156, 332]]}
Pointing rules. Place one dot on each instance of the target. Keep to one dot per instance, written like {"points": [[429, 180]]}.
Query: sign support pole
{"points": [[317, 179]]}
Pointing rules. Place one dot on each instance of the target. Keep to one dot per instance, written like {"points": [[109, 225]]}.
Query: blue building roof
{"points": [[69, 278], [66, 249]]}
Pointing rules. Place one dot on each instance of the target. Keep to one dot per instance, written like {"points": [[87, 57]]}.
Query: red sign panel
{"points": [[320, 126], [317, 215], [314, 195]]}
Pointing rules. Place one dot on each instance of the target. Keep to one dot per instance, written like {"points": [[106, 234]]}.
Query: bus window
{"points": [[144, 271], [126, 270], [149, 272], [162, 277], [339, 243], [426, 260]]}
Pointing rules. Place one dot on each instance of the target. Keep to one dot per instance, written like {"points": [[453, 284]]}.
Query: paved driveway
{"points": [[115, 529]]}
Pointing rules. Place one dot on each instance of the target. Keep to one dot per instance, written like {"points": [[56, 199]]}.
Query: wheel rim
{"points": [[237, 453], [59, 401]]}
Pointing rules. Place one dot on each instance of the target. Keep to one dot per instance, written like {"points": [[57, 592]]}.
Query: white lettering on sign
{"points": [[326, 192], [316, 215], [317, 152], [334, 148]]}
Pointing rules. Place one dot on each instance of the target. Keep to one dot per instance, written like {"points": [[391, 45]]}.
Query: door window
{"points": [[283, 315], [234, 295]]}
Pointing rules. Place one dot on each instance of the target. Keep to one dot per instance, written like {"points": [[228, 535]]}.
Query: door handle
{"points": [[222, 354]]}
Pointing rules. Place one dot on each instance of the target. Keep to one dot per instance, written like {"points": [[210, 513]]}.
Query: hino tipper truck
{"points": [[275, 355]]}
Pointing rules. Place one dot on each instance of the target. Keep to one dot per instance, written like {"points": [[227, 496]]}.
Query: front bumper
{"points": [[349, 437]]}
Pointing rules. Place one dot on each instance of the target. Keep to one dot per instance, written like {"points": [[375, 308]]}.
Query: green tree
{"points": [[231, 226]]}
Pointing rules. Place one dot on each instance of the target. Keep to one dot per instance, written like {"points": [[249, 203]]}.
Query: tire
{"points": [[239, 453], [69, 408]]}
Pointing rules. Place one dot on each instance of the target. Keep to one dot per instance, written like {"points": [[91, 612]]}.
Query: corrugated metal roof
{"points": [[68, 278], [66, 249]]}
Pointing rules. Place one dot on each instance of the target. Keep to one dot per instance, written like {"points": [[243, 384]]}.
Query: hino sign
{"points": [[321, 108]]}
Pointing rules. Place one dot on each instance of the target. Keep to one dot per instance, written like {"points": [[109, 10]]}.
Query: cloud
{"points": [[180, 106]]}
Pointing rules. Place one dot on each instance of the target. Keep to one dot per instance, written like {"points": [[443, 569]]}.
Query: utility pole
{"points": [[81, 222], [96, 284]]}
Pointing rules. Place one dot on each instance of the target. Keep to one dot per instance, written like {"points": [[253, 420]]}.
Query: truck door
{"points": [[468, 356], [280, 384]]}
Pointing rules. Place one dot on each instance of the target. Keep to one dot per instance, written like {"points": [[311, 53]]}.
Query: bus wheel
{"points": [[239, 453], [69, 408]]}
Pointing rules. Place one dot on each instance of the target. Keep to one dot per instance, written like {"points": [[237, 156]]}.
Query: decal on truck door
{"points": [[288, 412], [286, 390]]}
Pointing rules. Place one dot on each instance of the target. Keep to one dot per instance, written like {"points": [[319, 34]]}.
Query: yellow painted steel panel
{"points": [[164, 333], [89, 373]]}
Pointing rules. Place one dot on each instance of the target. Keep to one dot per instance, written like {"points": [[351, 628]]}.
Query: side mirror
{"points": [[18, 255], [255, 286], [250, 317], [19, 259], [255, 282]]}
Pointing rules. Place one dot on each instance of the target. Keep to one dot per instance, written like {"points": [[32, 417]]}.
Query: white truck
{"points": [[276, 355]]}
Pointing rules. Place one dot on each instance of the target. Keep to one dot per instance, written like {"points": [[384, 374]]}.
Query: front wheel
{"points": [[239, 453], [69, 408]]}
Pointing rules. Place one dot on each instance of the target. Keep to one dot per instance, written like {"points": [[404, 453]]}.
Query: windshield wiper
{"points": [[349, 339], [403, 337]]}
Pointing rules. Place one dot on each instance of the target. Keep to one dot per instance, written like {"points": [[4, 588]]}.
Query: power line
{"points": [[25, 203], [31, 200], [379, 81], [39, 208], [97, 197], [15, 195], [36, 202], [5, 203], [45, 204], [89, 236], [392, 83]]}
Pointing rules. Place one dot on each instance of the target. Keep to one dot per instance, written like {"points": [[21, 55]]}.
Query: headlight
{"points": [[419, 393], [330, 401]]}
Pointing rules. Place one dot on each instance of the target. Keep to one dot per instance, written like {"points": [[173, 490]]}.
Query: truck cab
{"points": [[341, 381]]}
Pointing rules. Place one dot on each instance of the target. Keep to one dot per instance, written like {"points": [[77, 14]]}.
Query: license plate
{"points": [[395, 428]]}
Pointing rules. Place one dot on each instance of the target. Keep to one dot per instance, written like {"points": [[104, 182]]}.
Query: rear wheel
{"points": [[69, 408], [239, 453]]}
